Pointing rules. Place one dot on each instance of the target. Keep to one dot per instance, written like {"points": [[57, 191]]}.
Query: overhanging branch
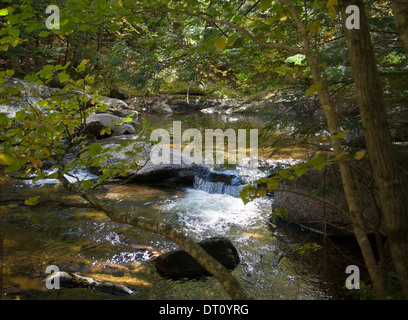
{"points": [[246, 31], [228, 282]]}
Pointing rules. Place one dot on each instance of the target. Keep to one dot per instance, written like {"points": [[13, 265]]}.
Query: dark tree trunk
{"points": [[401, 20], [393, 195], [100, 38], [349, 187]]}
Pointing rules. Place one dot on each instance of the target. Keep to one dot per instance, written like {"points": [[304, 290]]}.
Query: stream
{"points": [[86, 242]]}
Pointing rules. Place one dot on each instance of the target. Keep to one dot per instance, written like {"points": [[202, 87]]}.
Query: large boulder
{"points": [[178, 264], [98, 121], [151, 170], [119, 93], [133, 103], [179, 172], [124, 113], [113, 103], [117, 107], [161, 107], [30, 93]]}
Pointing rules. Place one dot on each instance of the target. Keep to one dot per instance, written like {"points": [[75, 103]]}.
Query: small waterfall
{"points": [[217, 187], [229, 182]]}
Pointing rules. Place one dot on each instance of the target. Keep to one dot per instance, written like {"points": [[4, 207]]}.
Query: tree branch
{"points": [[323, 201], [228, 282], [246, 31]]}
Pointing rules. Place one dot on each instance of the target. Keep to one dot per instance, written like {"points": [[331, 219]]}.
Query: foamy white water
{"points": [[214, 214]]}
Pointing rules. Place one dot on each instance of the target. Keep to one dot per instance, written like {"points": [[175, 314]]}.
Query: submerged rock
{"points": [[161, 107], [179, 264]]}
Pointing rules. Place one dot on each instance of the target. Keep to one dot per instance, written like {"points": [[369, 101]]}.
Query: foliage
{"points": [[279, 213], [365, 292], [37, 134], [305, 249]]}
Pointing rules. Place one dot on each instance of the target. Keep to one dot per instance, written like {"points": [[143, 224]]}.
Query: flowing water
{"points": [[86, 242]]}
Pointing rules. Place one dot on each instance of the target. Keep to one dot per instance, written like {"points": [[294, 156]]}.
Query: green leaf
{"points": [[220, 43], [12, 90], [42, 130], [58, 151], [359, 155], [128, 119], [314, 88], [114, 27], [332, 10], [273, 183], [46, 72], [4, 12], [315, 26], [232, 38], [298, 59], [54, 175], [86, 184], [300, 169], [60, 67], [81, 66], [14, 32], [317, 163], [42, 103], [31, 78], [265, 5], [90, 79], [32, 201], [248, 193], [285, 174], [63, 76], [269, 21], [31, 26], [94, 149], [6, 159], [341, 135], [44, 34]]}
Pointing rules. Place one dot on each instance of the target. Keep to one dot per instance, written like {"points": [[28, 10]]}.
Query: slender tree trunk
{"points": [[229, 282], [355, 216], [401, 20], [66, 50], [392, 193], [99, 46], [100, 38]]}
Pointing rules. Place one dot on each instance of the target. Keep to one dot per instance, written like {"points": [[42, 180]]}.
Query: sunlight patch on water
{"points": [[74, 176]]}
